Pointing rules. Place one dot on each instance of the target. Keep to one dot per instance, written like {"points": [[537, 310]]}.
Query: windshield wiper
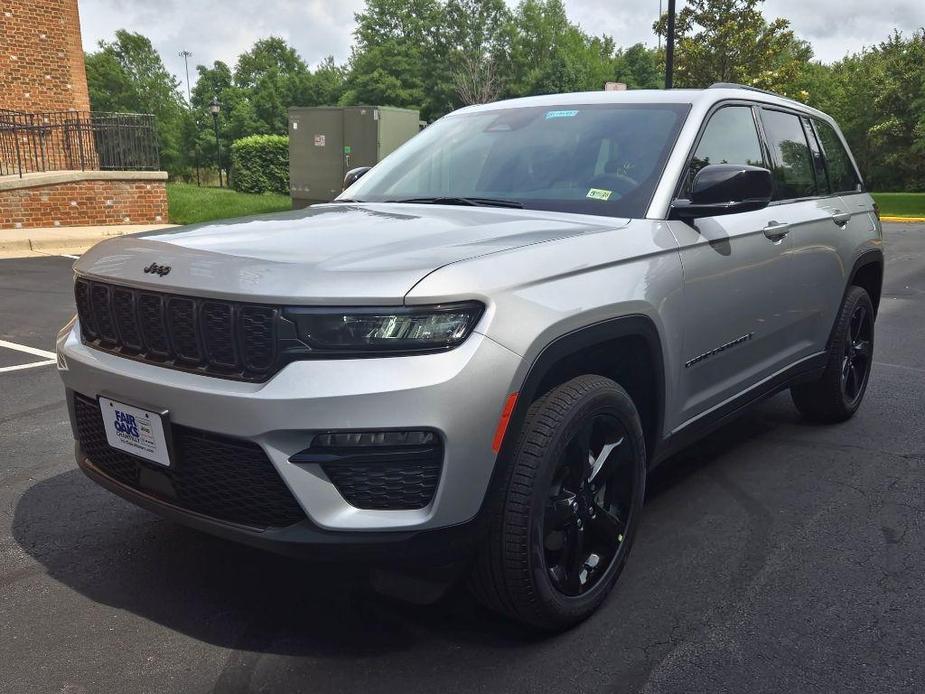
{"points": [[474, 202]]}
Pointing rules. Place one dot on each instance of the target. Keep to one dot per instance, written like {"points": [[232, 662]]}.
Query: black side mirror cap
{"points": [[354, 174], [725, 189]]}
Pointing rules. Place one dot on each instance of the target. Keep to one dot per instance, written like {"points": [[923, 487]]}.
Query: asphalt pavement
{"points": [[774, 556]]}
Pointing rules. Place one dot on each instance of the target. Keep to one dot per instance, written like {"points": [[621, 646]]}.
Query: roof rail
{"points": [[734, 85]]}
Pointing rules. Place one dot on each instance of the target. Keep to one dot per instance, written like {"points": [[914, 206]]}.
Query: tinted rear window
{"points": [[794, 176], [842, 174]]}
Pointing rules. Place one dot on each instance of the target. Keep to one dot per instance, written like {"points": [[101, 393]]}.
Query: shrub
{"points": [[260, 164]]}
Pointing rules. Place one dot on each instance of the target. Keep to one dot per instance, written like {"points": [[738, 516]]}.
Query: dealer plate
{"points": [[136, 431]]}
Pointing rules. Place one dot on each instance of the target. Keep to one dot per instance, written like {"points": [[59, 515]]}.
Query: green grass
{"points": [[901, 204], [188, 203]]}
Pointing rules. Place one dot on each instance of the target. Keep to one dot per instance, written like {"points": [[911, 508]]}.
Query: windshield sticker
{"points": [[560, 114], [599, 194]]}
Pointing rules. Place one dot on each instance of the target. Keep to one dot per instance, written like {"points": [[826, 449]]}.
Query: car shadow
{"points": [[247, 600]]}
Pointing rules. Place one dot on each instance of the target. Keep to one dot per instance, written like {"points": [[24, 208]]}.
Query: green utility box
{"points": [[327, 141]]}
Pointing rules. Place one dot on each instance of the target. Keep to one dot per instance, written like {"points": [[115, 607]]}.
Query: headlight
{"points": [[384, 331]]}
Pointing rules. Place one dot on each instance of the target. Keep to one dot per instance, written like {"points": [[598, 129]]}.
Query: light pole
{"points": [[669, 47], [189, 102], [215, 107]]}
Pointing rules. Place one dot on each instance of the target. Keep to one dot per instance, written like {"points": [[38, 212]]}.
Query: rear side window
{"points": [[793, 164], [822, 180], [729, 138], [842, 174]]}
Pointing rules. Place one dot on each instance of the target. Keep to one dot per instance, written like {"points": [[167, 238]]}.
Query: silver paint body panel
{"points": [[540, 275]]}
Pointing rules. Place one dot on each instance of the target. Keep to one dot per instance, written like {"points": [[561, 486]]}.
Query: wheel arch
{"points": [[867, 273], [596, 349]]}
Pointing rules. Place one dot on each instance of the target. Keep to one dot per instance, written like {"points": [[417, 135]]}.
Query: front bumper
{"points": [[304, 540], [459, 394]]}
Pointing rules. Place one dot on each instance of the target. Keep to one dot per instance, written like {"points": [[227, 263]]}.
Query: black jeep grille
{"points": [[217, 476], [221, 338]]}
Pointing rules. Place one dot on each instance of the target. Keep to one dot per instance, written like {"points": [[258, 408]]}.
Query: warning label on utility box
{"points": [[319, 140]]}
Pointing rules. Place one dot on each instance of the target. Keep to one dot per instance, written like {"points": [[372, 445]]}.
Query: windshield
{"points": [[600, 159]]}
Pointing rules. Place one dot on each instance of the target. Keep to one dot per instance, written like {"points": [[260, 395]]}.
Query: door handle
{"points": [[841, 218], [776, 231]]}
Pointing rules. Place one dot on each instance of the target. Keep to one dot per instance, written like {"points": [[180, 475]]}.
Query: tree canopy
{"points": [[438, 55]]}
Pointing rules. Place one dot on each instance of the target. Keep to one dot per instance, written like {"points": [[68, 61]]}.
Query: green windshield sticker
{"points": [[599, 194], [560, 114]]}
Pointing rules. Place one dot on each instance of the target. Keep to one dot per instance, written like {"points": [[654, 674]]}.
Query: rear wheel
{"points": [[838, 393], [572, 500]]}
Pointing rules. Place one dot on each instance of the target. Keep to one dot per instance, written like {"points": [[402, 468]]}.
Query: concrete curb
{"points": [[24, 242], [884, 218]]}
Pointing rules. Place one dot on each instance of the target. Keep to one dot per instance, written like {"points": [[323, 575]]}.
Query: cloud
{"points": [[222, 29]]}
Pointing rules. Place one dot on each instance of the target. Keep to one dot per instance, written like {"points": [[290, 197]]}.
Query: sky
{"points": [[222, 29]]}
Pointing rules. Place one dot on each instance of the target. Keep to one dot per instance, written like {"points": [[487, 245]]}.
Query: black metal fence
{"points": [[76, 140]]}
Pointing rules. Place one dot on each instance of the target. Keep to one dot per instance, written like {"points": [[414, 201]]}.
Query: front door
{"points": [[738, 326]]}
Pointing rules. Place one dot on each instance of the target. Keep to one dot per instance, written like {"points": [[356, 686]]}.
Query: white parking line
{"points": [[29, 350], [30, 365]]}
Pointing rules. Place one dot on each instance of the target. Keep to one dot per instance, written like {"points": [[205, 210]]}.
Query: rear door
{"points": [[856, 222], [737, 279], [804, 201]]}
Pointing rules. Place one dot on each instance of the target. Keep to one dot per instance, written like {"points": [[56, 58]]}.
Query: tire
{"points": [[533, 567], [836, 395]]}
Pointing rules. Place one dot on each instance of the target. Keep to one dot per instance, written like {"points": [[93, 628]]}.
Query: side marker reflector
{"points": [[503, 421]]}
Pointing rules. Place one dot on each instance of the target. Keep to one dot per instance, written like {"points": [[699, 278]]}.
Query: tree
{"points": [[730, 41], [273, 77], [474, 40], [127, 75], [549, 54], [884, 126], [325, 84], [639, 67], [395, 55]]}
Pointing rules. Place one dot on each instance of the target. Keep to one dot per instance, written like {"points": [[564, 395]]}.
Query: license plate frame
{"points": [[138, 431]]}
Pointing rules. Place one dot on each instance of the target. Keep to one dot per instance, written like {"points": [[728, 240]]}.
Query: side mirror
{"points": [[354, 174], [725, 189]]}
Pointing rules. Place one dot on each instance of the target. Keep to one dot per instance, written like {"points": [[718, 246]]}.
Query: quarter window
{"points": [[842, 174], [822, 181], [729, 138], [793, 165]]}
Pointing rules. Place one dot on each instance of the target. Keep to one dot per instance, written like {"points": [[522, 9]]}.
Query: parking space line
{"points": [[29, 350], [30, 365], [57, 255]]}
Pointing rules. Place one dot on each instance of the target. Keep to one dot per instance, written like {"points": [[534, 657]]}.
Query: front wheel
{"points": [[837, 394], [573, 496]]}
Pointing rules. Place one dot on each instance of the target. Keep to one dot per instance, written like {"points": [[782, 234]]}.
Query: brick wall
{"points": [[41, 57], [84, 202]]}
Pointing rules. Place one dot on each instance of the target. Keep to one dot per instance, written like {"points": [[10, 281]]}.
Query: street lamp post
{"points": [[669, 47], [215, 107], [189, 102]]}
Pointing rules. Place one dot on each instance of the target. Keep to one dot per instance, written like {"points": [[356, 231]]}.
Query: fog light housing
{"points": [[379, 470]]}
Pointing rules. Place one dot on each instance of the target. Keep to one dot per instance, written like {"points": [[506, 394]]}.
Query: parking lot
{"points": [[773, 556]]}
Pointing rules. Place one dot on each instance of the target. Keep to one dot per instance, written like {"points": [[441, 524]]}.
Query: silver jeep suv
{"points": [[474, 355]]}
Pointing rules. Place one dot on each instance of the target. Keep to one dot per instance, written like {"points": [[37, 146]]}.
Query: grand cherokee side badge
{"points": [[159, 270], [721, 348]]}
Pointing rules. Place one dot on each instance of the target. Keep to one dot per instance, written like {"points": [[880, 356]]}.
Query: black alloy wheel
{"points": [[859, 351], [589, 506], [569, 507], [836, 394]]}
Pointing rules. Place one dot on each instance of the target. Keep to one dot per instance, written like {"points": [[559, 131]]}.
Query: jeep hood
{"points": [[336, 253]]}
